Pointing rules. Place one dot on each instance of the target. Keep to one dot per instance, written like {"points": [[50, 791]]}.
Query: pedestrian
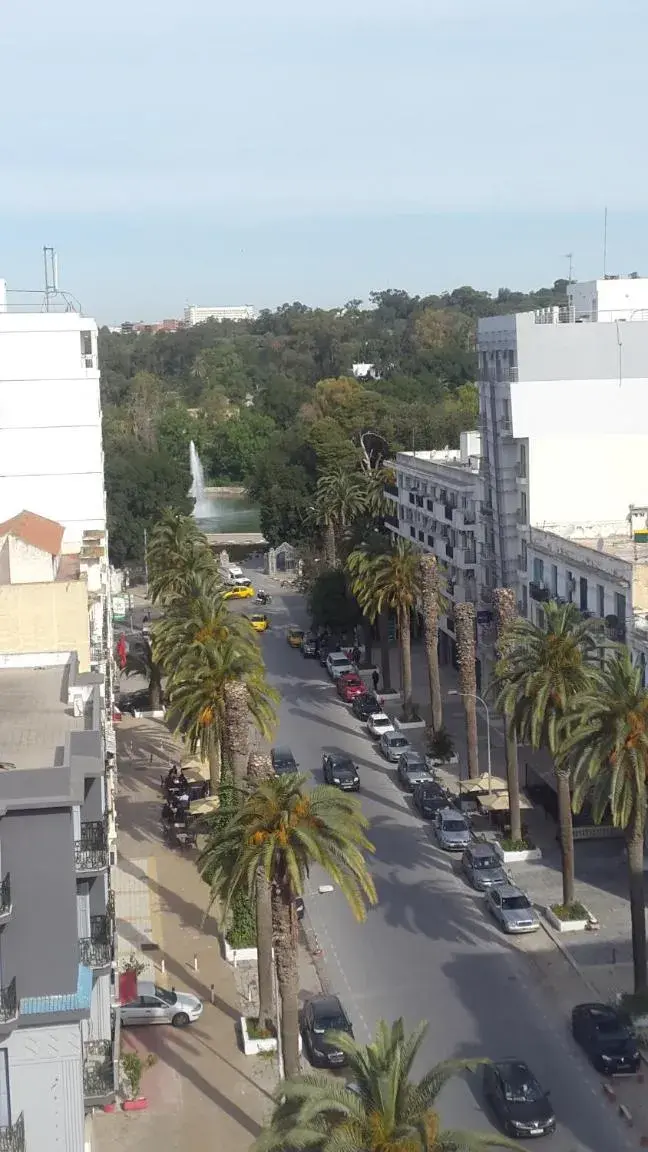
{"points": [[375, 676], [356, 656]]}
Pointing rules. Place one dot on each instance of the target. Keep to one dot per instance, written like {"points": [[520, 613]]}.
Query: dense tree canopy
{"points": [[273, 403]]}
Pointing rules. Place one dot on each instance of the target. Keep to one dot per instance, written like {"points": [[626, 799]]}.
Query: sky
{"points": [[252, 153]]}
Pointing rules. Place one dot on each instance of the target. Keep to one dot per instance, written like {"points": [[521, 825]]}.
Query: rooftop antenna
{"points": [[50, 261], [570, 256], [605, 243]]}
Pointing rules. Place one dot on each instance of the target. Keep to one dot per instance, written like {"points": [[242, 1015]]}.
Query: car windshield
{"points": [[609, 1026], [168, 997], [521, 1087], [339, 659], [330, 1024], [454, 826], [515, 903], [484, 862], [398, 741], [343, 766], [414, 765]]}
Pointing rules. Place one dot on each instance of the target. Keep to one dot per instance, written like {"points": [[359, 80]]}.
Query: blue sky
{"points": [[259, 152]]}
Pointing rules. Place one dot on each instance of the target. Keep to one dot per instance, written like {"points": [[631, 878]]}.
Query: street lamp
{"points": [[474, 696]]}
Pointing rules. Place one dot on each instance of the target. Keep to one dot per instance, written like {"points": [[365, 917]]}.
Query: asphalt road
{"points": [[428, 951]]}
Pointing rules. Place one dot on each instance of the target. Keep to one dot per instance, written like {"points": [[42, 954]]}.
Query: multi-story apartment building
{"points": [[197, 314]]}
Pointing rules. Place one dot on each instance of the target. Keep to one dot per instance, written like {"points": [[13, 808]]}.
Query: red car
{"points": [[349, 686]]}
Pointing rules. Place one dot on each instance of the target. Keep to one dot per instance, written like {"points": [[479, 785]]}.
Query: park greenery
{"points": [[273, 403]]}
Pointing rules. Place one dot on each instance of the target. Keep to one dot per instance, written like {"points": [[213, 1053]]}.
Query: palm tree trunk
{"points": [[236, 728], [512, 779], [214, 765], [465, 626], [383, 625], [330, 549], [566, 835], [430, 592], [284, 921], [635, 847], [406, 657], [259, 768], [155, 687], [368, 640]]}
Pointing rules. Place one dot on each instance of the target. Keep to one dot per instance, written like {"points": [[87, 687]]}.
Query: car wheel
{"points": [[180, 1020]]}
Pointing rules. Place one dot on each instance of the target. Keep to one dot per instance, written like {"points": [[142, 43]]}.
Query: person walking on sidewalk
{"points": [[375, 676]]}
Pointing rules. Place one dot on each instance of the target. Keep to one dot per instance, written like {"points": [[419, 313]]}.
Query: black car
{"points": [[604, 1035], [364, 706], [340, 770], [520, 1104], [283, 761], [131, 702], [429, 798], [299, 907], [320, 1015]]}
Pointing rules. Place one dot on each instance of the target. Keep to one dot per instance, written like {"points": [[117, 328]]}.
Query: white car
{"points": [[378, 724], [234, 571], [155, 1005], [337, 664]]}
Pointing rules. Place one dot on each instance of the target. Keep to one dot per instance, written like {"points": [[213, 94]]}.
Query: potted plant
{"points": [[572, 917], [240, 937], [440, 749], [133, 1068]]}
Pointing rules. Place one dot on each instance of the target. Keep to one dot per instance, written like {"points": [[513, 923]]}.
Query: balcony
{"points": [[95, 950], [98, 1073], [392, 521], [469, 557], [615, 629], [8, 1003], [449, 551], [522, 564], [5, 900], [539, 591], [12, 1137], [391, 490], [449, 511], [91, 851]]}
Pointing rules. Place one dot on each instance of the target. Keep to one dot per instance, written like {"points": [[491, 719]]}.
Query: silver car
{"points": [[393, 745], [483, 867], [155, 1005], [452, 830], [338, 664], [412, 770], [512, 909]]}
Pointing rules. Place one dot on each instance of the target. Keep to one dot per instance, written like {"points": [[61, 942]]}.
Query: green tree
{"points": [[541, 674], [505, 616], [286, 830], [340, 500], [178, 555], [141, 662], [259, 769], [605, 746], [140, 484], [386, 1110], [431, 602], [332, 604], [465, 625]]}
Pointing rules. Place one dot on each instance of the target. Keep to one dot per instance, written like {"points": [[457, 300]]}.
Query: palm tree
{"points": [[340, 499], [177, 554], [505, 616], [543, 672], [237, 727], [466, 658], [367, 543], [260, 768], [285, 830], [385, 1110], [605, 746], [140, 661], [391, 581], [431, 597]]}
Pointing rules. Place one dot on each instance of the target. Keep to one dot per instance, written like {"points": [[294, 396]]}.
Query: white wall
{"points": [[77, 502], [586, 481], [45, 404], [28, 565]]}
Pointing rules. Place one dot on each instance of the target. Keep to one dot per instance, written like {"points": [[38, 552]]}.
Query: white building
{"points": [[197, 314], [51, 454]]}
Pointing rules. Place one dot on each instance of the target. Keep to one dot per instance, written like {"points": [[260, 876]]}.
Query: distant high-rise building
{"points": [[197, 314]]}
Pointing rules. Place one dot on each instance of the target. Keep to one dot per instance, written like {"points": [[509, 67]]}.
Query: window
{"points": [[5, 1118], [523, 461], [524, 515], [582, 594], [620, 608], [538, 570], [570, 585], [421, 535], [506, 413], [554, 579], [413, 533], [525, 600], [600, 600], [524, 552], [86, 343]]}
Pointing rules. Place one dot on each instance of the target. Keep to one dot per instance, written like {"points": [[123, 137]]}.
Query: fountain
{"points": [[203, 505]]}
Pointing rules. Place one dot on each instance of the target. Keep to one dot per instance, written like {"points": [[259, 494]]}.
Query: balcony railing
{"points": [[95, 950], [538, 590], [98, 1071], [392, 489], [12, 1136], [91, 851], [8, 1003], [5, 899]]}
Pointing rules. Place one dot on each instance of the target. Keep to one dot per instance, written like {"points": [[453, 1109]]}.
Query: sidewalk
{"points": [[201, 1084]]}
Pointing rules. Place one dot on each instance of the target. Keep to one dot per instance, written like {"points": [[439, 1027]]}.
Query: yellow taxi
{"points": [[240, 592], [295, 637], [259, 622]]}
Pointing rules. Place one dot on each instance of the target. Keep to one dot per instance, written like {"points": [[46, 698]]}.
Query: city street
{"points": [[428, 950]]}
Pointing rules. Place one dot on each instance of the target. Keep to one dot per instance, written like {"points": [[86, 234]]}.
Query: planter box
{"points": [[434, 762], [517, 857], [237, 956], [135, 1105], [407, 725], [255, 1047], [565, 925]]}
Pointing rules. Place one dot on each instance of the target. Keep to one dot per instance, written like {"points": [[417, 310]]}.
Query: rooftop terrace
{"points": [[35, 717]]}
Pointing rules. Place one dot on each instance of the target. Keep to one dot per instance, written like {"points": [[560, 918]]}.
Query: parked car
{"points": [[378, 723], [321, 1015], [483, 867], [349, 686], [294, 636], [512, 909], [309, 647], [154, 1005], [429, 798], [283, 760], [452, 830], [340, 770], [299, 907], [411, 769], [260, 622], [338, 664], [606, 1038], [393, 745], [364, 706], [130, 703], [519, 1102]]}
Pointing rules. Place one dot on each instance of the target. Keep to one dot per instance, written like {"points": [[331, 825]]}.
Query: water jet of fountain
{"points": [[202, 506]]}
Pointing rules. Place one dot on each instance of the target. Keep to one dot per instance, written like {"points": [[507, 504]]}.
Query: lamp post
{"points": [[480, 699]]}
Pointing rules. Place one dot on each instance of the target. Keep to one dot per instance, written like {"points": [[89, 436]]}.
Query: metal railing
{"points": [[8, 1003], [95, 950], [98, 1069], [91, 851], [12, 1136], [5, 896]]}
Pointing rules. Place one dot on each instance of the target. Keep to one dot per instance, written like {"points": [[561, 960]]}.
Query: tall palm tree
{"points": [[260, 768], [606, 747], [466, 657], [385, 1110], [285, 830], [391, 581], [543, 672], [177, 554], [340, 499], [505, 615], [367, 541], [431, 598], [237, 727], [141, 661]]}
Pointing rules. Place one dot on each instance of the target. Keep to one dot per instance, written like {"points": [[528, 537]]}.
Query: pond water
{"points": [[228, 513]]}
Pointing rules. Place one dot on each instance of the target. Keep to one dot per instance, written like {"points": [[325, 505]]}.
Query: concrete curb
{"points": [[555, 938], [315, 952]]}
